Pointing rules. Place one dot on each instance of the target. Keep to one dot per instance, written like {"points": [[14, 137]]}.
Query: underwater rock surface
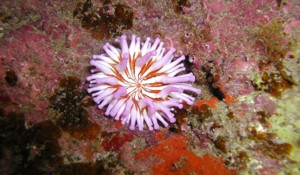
{"points": [[244, 55]]}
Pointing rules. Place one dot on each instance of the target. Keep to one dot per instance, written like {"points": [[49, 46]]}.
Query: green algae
{"points": [[286, 124]]}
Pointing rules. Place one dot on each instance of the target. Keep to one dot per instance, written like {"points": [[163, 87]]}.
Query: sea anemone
{"points": [[140, 82]]}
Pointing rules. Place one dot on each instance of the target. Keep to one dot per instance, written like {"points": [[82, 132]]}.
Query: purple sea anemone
{"points": [[140, 82]]}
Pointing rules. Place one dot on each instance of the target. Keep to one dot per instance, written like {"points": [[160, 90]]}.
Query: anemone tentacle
{"points": [[139, 83]]}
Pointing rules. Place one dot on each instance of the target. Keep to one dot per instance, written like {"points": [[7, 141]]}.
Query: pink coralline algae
{"points": [[140, 82]]}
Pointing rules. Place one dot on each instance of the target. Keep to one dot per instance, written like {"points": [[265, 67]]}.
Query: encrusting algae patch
{"points": [[173, 156]]}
